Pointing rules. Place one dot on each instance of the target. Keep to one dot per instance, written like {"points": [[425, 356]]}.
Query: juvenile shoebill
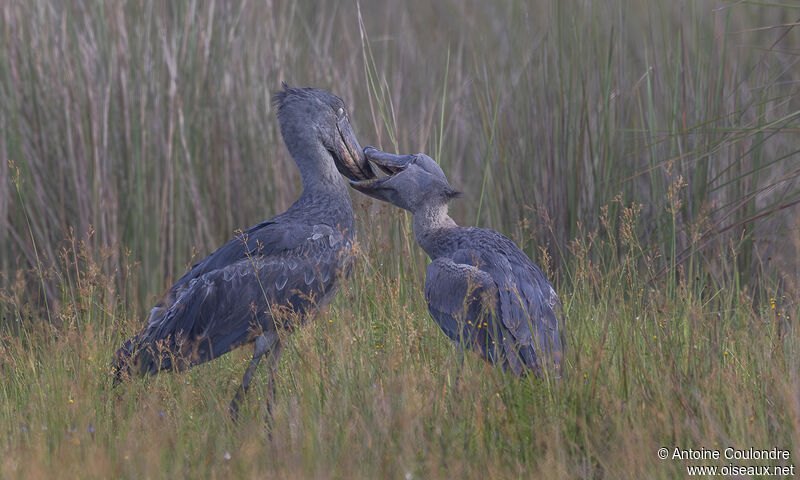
{"points": [[481, 289]]}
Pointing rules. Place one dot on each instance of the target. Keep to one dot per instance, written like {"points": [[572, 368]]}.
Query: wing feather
{"points": [[272, 276], [526, 319], [461, 299]]}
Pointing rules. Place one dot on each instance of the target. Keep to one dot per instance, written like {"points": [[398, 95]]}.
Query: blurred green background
{"points": [[149, 124]]}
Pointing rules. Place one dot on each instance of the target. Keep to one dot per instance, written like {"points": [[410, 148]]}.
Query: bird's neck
{"points": [[325, 193], [316, 165], [431, 224]]}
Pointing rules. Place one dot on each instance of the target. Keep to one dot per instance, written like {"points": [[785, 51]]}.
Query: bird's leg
{"points": [[274, 356], [263, 345]]}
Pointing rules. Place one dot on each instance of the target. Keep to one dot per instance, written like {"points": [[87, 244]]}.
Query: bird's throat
{"points": [[430, 224]]}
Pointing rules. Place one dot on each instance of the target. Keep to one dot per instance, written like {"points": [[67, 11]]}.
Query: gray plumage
{"points": [[275, 275], [481, 289]]}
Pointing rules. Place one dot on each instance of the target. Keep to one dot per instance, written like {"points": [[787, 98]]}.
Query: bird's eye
{"points": [[340, 112]]}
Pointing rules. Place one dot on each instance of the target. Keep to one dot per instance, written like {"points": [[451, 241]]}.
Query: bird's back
{"points": [[273, 276]]}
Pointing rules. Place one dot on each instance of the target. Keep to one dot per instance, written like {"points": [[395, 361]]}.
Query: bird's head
{"points": [[309, 116], [412, 182]]}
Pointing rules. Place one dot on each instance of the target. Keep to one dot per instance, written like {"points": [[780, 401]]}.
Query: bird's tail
{"points": [[547, 356], [527, 361]]}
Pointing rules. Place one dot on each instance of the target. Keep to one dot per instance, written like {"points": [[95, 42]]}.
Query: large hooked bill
{"points": [[349, 158], [389, 163]]}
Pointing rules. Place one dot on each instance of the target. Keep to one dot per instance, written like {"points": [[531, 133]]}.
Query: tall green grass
{"points": [[646, 154]]}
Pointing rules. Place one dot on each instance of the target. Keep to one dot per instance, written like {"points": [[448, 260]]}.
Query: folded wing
{"points": [[271, 277]]}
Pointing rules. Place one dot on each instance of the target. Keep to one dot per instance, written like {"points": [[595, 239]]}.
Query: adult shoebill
{"points": [[275, 275], [481, 289]]}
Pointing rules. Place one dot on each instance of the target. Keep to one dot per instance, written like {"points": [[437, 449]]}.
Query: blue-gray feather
{"points": [[483, 291], [519, 310], [278, 271], [273, 276]]}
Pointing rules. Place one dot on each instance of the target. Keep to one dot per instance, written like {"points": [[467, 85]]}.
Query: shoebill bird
{"points": [[481, 289], [274, 276]]}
